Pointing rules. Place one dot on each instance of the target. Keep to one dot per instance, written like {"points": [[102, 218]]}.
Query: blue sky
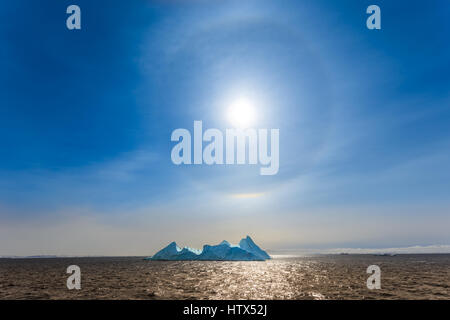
{"points": [[86, 119]]}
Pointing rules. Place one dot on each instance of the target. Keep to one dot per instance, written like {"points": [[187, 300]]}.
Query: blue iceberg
{"points": [[247, 250]]}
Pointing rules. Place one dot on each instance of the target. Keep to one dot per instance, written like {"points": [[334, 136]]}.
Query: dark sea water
{"points": [[317, 277]]}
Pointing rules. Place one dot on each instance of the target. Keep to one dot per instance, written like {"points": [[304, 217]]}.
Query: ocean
{"points": [[406, 276]]}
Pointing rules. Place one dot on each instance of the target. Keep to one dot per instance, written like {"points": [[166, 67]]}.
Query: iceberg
{"points": [[247, 250]]}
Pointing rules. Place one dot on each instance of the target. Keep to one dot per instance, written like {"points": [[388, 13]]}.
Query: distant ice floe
{"points": [[437, 249]]}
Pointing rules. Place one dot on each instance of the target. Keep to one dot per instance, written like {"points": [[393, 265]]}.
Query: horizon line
{"points": [[418, 249]]}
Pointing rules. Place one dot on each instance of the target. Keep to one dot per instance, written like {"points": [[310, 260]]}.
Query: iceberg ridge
{"points": [[247, 250]]}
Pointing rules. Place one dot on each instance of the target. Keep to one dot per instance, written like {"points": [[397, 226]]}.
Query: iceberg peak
{"points": [[250, 246]]}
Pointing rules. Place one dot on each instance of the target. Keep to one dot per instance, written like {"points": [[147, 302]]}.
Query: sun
{"points": [[241, 113]]}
